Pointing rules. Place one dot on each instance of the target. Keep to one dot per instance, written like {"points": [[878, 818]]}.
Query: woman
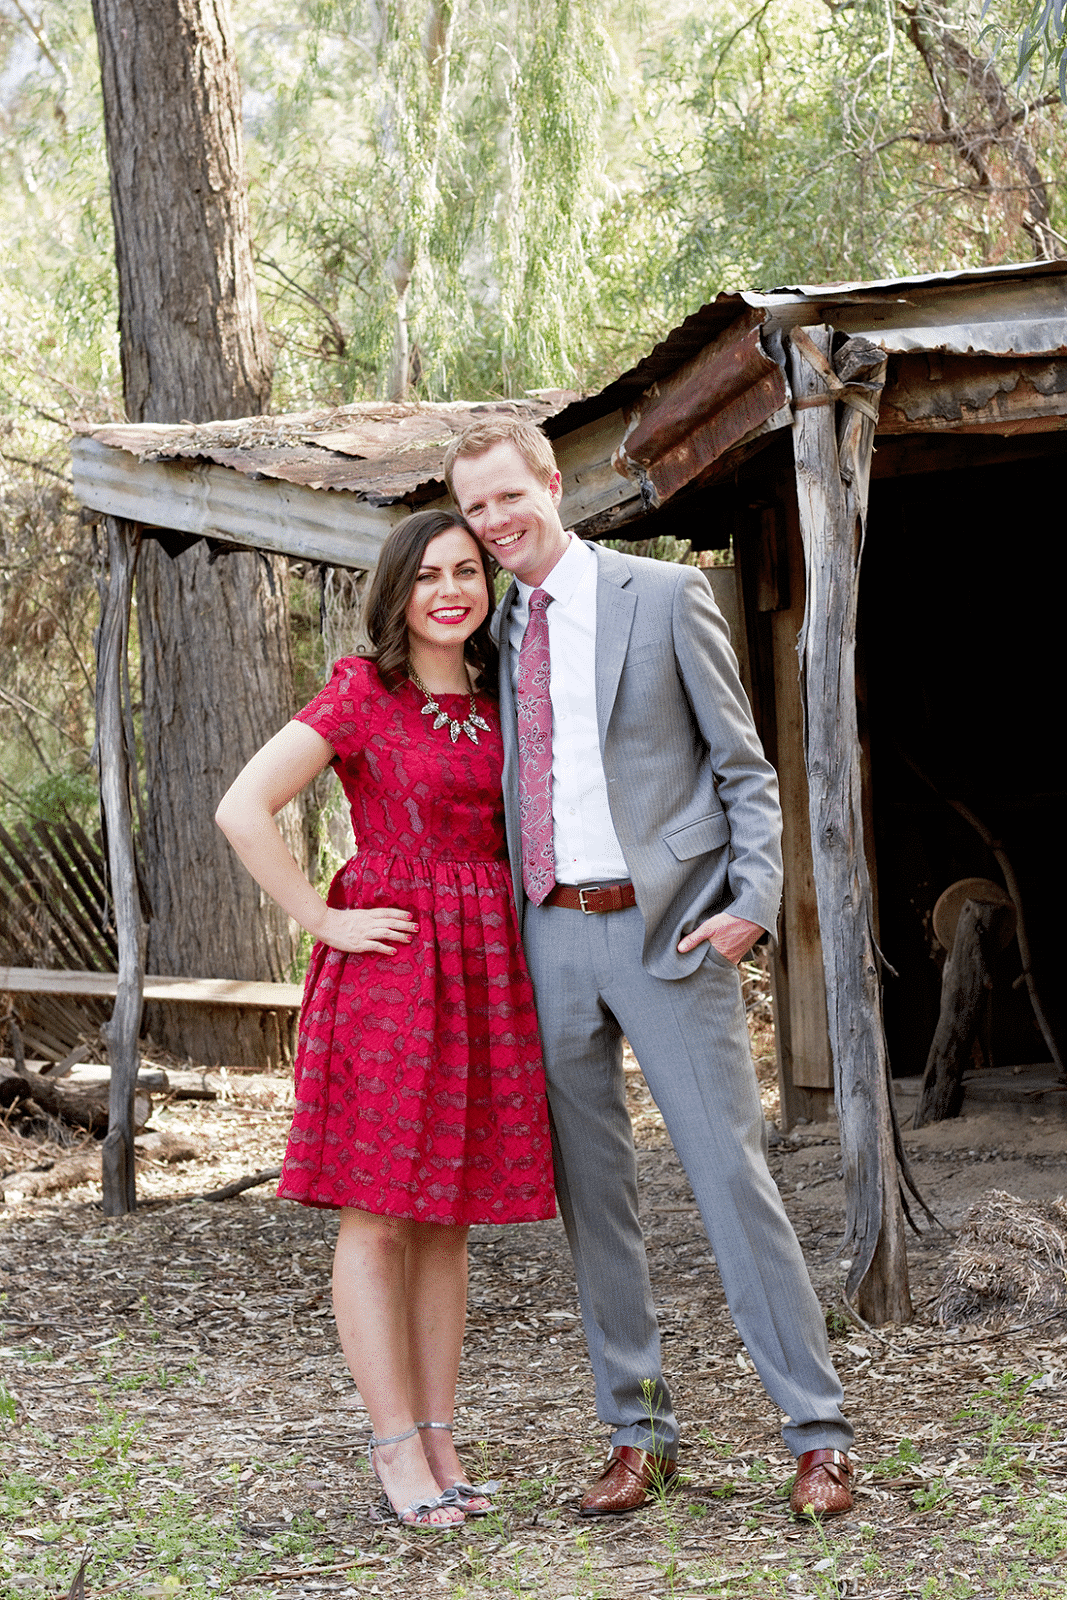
{"points": [[420, 1104]]}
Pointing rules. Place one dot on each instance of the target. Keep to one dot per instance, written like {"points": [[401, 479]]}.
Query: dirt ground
{"points": [[174, 1400]]}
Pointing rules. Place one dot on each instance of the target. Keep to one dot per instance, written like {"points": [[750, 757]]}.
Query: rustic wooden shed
{"points": [[906, 704]]}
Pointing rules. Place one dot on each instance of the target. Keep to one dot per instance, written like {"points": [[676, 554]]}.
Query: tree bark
{"points": [[214, 637], [832, 468], [215, 701], [193, 344]]}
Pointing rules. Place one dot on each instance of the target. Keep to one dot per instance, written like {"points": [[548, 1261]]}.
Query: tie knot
{"points": [[539, 600]]}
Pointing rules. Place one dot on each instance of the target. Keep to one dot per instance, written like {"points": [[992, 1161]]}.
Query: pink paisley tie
{"points": [[535, 753]]}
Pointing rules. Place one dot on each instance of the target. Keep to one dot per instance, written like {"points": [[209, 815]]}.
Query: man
{"points": [[643, 828]]}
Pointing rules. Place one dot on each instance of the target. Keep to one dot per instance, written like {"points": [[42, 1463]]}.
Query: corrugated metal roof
{"points": [[1001, 311], [1018, 309], [382, 451], [386, 454]]}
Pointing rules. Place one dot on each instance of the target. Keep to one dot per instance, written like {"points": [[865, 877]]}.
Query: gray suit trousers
{"points": [[692, 1042]]}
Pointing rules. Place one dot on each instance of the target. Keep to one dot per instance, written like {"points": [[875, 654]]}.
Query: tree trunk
{"points": [[214, 703], [193, 343], [832, 480], [965, 983], [214, 636]]}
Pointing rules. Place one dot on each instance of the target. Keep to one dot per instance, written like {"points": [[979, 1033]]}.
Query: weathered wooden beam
{"points": [[114, 759], [806, 1069], [333, 526], [594, 492], [198, 991], [936, 392], [832, 471], [909, 455]]}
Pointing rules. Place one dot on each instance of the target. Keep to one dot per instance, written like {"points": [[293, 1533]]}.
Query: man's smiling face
{"points": [[514, 514]]}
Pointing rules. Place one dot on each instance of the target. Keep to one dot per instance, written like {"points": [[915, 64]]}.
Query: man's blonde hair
{"points": [[478, 437]]}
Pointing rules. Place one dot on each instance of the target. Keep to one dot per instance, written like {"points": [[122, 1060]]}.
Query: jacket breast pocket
{"points": [[700, 837]]}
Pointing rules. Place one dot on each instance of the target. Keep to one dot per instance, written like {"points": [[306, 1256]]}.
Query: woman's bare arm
{"points": [[286, 765]]}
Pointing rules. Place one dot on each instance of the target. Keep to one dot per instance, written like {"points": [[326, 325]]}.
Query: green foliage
{"points": [[1036, 34], [663, 548], [906, 1457], [519, 196], [795, 143], [1044, 1527], [932, 1495], [436, 164]]}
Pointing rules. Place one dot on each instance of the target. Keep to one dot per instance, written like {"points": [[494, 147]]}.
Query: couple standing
{"points": [[643, 833]]}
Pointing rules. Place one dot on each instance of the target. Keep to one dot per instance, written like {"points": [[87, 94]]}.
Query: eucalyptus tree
{"points": [[428, 178], [800, 141]]}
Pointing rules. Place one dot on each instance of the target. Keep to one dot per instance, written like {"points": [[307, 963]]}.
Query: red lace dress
{"points": [[420, 1090]]}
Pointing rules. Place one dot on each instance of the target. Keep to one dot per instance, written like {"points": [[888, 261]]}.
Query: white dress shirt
{"points": [[587, 848]]}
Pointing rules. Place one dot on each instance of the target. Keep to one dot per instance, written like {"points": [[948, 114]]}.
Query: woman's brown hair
{"points": [[399, 564]]}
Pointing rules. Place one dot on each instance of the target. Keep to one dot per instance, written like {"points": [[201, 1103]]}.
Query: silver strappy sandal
{"points": [[467, 1493], [417, 1514]]}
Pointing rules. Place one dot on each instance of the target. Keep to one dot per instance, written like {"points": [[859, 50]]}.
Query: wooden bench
{"points": [[203, 991]]}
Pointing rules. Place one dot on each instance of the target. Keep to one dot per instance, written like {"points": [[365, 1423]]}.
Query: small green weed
{"points": [[997, 1413], [935, 1493], [906, 1456], [1044, 1528]]}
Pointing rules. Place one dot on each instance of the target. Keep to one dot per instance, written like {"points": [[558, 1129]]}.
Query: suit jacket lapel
{"points": [[615, 605]]}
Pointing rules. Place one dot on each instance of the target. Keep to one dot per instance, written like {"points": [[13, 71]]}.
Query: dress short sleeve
{"points": [[339, 712]]}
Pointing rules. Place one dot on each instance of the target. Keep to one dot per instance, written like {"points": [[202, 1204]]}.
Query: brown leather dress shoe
{"points": [[822, 1486], [628, 1478]]}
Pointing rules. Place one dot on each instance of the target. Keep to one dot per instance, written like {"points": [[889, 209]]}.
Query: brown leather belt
{"points": [[591, 899]]}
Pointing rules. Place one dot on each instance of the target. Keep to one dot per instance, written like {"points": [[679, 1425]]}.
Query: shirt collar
{"points": [[565, 576]]}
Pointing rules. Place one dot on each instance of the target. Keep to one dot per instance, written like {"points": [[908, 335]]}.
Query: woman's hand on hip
{"points": [[378, 929]]}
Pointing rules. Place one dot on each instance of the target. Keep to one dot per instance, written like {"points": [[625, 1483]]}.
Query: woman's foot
{"points": [[411, 1493], [473, 1498]]}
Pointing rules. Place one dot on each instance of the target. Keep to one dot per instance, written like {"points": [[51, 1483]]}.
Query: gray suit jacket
{"points": [[693, 799]]}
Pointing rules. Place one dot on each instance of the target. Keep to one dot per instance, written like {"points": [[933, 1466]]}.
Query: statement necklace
{"points": [[442, 718]]}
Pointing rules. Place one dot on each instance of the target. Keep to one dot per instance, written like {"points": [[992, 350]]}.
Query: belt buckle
{"points": [[589, 911]]}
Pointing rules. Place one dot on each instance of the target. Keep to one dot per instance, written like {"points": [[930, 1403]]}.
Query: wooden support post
{"points": [[833, 471], [115, 763], [805, 1061]]}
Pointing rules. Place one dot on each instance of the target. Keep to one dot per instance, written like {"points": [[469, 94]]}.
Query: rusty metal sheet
{"points": [[730, 390], [934, 393], [380, 480], [922, 312], [382, 451]]}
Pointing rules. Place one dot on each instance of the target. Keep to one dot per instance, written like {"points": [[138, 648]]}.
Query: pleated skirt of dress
{"points": [[419, 1082]]}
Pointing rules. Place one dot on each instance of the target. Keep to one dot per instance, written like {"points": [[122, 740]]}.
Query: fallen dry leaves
{"points": [[201, 1335]]}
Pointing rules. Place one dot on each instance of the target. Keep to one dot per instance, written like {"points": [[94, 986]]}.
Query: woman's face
{"points": [[448, 600]]}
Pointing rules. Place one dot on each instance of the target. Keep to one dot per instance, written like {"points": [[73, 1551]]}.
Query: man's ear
{"points": [[555, 487]]}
